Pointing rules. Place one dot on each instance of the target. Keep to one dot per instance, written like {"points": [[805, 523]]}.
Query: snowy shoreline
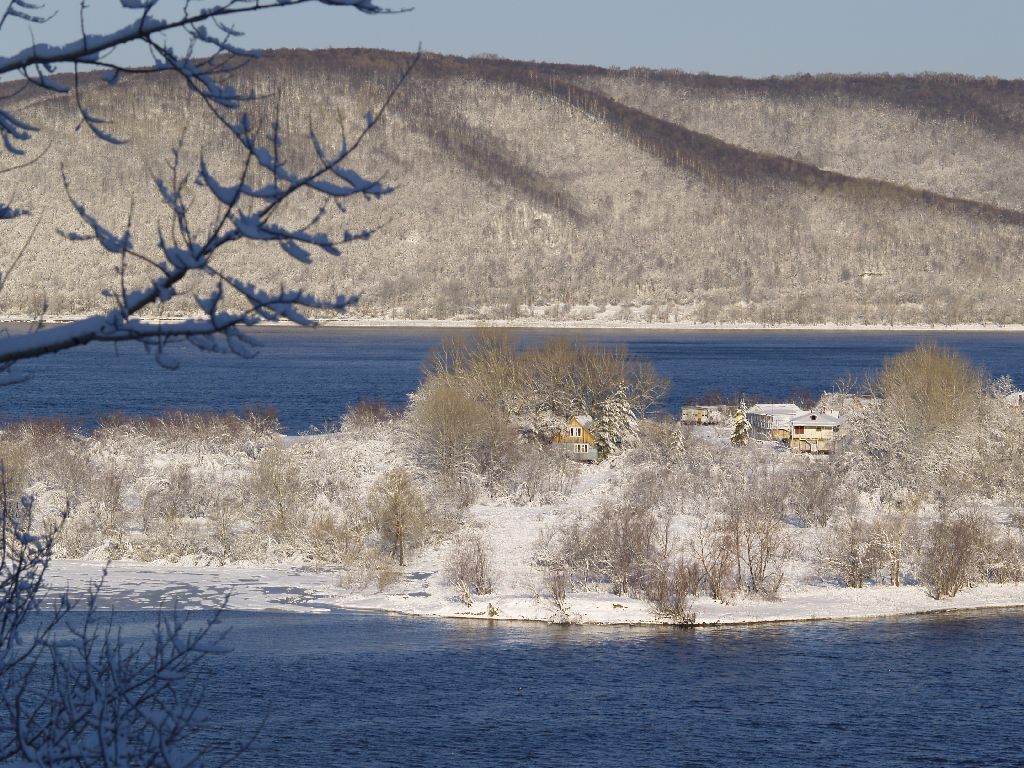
{"points": [[604, 325], [132, 585]]}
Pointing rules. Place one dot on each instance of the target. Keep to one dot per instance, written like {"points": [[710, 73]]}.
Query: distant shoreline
{"points": [[601, 325]]}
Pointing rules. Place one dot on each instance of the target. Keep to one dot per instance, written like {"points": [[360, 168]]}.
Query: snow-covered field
{"points": [[513, 533]]}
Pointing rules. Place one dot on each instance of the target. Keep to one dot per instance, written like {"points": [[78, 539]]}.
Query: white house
{"points": [[771, 421]]}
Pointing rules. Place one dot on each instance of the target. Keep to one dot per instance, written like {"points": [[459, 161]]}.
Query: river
{"points": [[311, 376], [375, 690]]}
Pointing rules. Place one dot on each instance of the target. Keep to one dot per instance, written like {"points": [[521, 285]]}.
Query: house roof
{"points": [[583, 421], [811, 419], [776, 409]]}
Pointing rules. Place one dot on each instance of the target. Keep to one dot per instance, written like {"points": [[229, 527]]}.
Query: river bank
{"points": [[595, 324], [130, 585]]}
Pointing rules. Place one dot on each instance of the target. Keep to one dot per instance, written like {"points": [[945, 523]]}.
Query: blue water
{"points": [[312, 376], [373, 690]]}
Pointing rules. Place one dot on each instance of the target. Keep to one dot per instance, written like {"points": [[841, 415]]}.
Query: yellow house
{"points": [[578, 439], [813, 432]]}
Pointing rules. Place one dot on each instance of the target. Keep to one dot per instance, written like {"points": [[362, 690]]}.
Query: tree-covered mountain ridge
{"points": [[563, 191]]}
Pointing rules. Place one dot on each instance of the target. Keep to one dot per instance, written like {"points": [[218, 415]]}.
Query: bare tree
{"points": [[73, 693], [713, 554], [923, 429], [399, 512], [539, 387], [752, 524], [895, 536], [178, 272], [460, 437]]}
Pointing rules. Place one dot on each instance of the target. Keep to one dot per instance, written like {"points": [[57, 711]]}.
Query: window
{"points": [[799, 430], [582, 448], [575, 431]]}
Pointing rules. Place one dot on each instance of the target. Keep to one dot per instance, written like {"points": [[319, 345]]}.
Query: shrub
{"points": [[670, 586], [752, 527], [468, 565], [958, 546], [848, 551], [542, 474], [369, 413]]}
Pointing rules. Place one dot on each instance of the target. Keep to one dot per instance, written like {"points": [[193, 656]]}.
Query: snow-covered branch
{"points": [[248, 202]]}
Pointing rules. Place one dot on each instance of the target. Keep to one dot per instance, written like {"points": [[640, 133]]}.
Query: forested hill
{"points": [[569, 190]]}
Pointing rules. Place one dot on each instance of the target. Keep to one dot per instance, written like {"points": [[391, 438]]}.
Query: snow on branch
{"points": [[249, 203], [39, 60]]}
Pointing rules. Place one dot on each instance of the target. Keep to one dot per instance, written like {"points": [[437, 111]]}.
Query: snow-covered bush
{"points": [[817, 491], [750, 534], [660, 441], [670, 586], [541, 474], [614, 547], [714, 558], [366, 414], [848, 551], [468, 565], [960, 547]]}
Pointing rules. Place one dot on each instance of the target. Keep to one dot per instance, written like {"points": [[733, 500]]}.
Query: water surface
{"points": [[312, 376], [374, 690]]}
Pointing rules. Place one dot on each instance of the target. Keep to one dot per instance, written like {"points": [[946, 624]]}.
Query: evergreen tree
{"points": [[616, 426], [741, 427]]}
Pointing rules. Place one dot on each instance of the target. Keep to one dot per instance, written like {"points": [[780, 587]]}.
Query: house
{"points": [[578, 439], [813, 432], [701, 414], [771, 421]]}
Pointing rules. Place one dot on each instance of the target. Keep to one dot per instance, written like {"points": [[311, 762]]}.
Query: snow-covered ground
{"points": [[514, 534], [518, 536], [134, 585]]}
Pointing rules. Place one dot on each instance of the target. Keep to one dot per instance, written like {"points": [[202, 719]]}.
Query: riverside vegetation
{"points": [[926, 487], [561, 191]]}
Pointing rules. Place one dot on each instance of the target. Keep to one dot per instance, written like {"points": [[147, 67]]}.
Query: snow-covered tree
{"points": [[741, 427], [616, 426], [208, 210]]}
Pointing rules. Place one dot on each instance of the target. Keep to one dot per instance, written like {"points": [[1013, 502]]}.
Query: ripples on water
{"points": [[373, 690]]}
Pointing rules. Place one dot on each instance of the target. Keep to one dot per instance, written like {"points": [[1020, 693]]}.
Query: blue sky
{"points": [[741, 37], [736, 37]]}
